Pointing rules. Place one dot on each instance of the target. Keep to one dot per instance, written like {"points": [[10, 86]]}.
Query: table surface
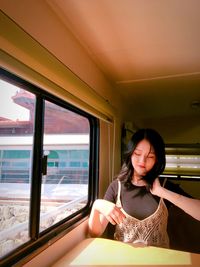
{"points": [[105, 252]]}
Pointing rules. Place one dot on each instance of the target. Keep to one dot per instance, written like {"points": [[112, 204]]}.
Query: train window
{"points": [[183, 160], [46, 176], [183, 164], [16, 145], [66, 146]]}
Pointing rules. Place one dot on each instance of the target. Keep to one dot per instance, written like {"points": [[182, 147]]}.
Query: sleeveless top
{"points": [[151, 231]]}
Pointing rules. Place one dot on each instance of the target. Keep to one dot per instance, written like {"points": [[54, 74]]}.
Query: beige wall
{"points": [[37, 19], [174, 129]]}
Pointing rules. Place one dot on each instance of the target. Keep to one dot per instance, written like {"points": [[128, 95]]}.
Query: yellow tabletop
{"points": [[105, 252]]}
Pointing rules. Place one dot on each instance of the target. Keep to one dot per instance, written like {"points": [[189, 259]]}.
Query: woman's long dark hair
{"points": [[157, 143]]}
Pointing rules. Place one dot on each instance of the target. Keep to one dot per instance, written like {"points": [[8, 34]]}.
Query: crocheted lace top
{"points": [[150, 231]]}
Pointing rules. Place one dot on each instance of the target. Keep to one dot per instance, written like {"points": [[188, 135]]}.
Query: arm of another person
{"points": [[102, 213], [189, 205]]}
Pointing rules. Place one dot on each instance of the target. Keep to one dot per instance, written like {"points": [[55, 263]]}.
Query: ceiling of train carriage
{"points": [[146, 48]]}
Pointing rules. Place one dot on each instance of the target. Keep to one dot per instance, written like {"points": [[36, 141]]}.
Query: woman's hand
{"points": [[102, 213], [156, 188], [110, 211], [189, 205]]}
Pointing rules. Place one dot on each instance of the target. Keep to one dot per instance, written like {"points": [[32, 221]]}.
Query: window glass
{"points": [[66, 146], [187, 164], [16, 142], [46, 146], [183, 160]]}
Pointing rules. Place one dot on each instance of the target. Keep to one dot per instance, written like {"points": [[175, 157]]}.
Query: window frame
{"points": [[56, 231]]}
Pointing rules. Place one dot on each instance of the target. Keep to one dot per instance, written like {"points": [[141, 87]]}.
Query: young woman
{"points": [[134, 200]]}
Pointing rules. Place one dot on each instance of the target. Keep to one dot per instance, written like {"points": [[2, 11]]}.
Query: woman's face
{"points": [[143, 158]]}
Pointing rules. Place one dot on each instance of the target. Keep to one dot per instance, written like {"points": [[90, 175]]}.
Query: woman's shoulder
{"points": [[114, 183], [175, 187], [111, 191]]}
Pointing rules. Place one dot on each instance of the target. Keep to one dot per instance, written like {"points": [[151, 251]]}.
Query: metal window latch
{"points": [[44, 164]]}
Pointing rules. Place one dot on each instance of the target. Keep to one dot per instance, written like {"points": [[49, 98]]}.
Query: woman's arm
{"points": [[102, 213], [190, 205]]}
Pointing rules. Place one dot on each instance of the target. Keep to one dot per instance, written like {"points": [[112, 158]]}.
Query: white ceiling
{"points": [[149, 49]]}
